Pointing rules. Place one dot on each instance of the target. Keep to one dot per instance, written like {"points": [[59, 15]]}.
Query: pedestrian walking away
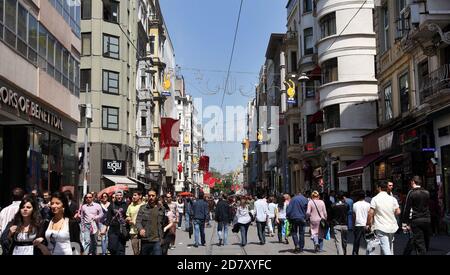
{"points": [[223, 217], [261, 215], [382, 218], [296, 214], [339, 221], [360, 212], [243, 220], [317, 214], [417, 218], [200, 217]]}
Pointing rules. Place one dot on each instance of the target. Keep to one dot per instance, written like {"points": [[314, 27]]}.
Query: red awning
{"points": [[316, 118], [316, 73], [357, 167]]}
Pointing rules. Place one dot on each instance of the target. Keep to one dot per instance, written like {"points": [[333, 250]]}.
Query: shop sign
{"points": [[29, 107], [114, 167], [385, 141], [408, 137], [310, 147]]}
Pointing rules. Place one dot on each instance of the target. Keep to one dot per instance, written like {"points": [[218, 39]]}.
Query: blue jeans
{"points": [[222, 230], [318, 241], [186, 222], [386, 242], [180, 219], [244, 229], [104, 239], [298, 227], [199, 228], [260, 226], [89, 240], [151, 248]]}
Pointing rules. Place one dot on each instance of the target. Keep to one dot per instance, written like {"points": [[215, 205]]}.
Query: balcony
{"points": [[145, 142], [144, 95], [435, 83], [311, 148]]}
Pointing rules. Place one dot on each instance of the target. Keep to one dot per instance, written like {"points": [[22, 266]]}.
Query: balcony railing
{"points": [[435, 82], [144, 94]]}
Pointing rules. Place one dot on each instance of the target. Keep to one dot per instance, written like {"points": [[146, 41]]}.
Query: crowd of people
{"points": [[54, 224]]}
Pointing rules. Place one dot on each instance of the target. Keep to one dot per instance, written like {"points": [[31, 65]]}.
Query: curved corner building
{"points": [[346, 50]]}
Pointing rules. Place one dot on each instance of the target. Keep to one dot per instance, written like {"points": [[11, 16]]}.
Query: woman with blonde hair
{"points": [[316, 212]]}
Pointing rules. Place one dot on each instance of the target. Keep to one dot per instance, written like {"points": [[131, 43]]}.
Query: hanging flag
{"points": [[166, 85], [169, 134], [204, 163], [180, 167]]}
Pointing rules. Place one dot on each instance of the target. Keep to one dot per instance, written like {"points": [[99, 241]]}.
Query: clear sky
{"points": [[202, 33]]}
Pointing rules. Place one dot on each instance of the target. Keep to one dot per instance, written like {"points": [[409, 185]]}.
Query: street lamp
{"points": [[303, 77]]}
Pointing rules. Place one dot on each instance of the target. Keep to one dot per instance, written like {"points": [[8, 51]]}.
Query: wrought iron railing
{"points": [[435, 82]]}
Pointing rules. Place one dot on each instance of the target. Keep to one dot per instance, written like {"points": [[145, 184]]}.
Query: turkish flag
{"points": [[204, 163], [170, 136], [180, 167], [206, 177]]}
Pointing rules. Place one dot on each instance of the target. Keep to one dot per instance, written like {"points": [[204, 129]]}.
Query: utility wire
{"points": [[360, 8], [232, 52]]}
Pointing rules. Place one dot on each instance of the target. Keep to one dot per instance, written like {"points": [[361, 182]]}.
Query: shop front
{"points": [[37, 145]]}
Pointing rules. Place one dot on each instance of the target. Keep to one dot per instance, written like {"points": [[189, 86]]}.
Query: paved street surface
{"points": [[184, 246]]}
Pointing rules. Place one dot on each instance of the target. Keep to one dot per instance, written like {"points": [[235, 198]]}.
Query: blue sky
{"points": [[202, 33]]}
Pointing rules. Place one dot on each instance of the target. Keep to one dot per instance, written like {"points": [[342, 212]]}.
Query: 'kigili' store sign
{"points": [[27, 106]]}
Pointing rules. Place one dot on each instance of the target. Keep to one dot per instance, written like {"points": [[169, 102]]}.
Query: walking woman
{"points": [[62, 232], [104, 203], [243, 219], [280, 219], [180, 209], [21, 233], [316, 211], [169, 228]]}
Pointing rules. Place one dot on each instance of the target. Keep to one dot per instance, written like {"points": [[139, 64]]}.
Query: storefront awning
{"points": [[122, 180], [138, 181], [357, 167]]}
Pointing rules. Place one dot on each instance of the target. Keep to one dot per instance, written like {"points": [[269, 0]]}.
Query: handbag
{"points": [[235, 228], [323, 222]]}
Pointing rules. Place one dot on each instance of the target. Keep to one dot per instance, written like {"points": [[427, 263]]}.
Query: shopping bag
{"points": [[328, 235], [288, 227]]}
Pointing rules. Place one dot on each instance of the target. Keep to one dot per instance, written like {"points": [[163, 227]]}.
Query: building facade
{"points": [[39, 92]]}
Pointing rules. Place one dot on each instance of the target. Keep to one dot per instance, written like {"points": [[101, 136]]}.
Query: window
{"points": [[308, 41], [310, 89], [143, 126], [307, 6], [328, 25], [110, 46], [51, 54], [296, 132], [388, 113], [86, 44], [385, 41], [110, 118], [143, 80], [424, 79], [152, 44], [332, 117], [86, 9], [111, 11], [58, 62], [42, 47], [110, 82], [65, 72], [404, 92], [32, 38], [402, 20], [1, 18], [330, 71], [179, 155], [310, 129], [10, 22], [293, 61], [22, 15]]}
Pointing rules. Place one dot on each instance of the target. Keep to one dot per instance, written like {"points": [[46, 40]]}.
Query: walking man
{"points": [[360, 212], [150, 224], [416, 218], [339, 221], [91, 213], [132, 212], [262, 214], [296, 214], [381, 219], [223, 218], [200, 217]]}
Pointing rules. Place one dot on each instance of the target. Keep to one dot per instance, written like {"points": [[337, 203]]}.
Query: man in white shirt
{"points": [[360, 212], [383, 210], [8, 213], [262, 213]]}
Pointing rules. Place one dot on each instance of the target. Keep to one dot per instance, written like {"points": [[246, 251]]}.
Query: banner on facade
{"points": [[385, 141]]}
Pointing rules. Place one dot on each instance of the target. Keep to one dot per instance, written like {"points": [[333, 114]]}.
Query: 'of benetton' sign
{"points": [[25, 105]]}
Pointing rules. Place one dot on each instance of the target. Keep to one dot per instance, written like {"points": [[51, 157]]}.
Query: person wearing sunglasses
{"points": [[62, 233], [150, 232]]}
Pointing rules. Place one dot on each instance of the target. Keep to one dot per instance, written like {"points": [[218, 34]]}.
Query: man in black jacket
{"points": [[200, 208], [416, 218], [339, 220], [150, 224], [115, 222], [223, 218]]}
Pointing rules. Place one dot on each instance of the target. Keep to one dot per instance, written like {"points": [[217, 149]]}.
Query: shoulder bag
{"points": [[323, 222]]}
